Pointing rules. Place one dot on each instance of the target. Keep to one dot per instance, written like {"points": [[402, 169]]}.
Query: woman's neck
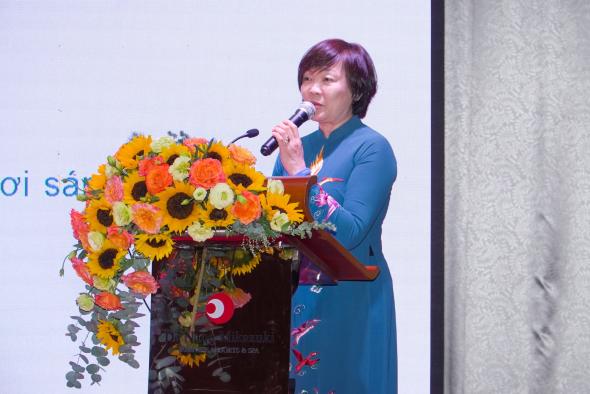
{"points": [[328, 128]]}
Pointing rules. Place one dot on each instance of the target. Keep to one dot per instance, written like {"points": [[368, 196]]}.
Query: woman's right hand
{"points": [[290, 146]]}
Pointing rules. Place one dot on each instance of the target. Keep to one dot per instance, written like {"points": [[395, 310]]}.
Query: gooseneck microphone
{"points": [[250, 134], [305, 111]]}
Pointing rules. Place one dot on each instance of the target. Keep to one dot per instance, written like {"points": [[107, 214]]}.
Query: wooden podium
{"points": [[250, 353]]}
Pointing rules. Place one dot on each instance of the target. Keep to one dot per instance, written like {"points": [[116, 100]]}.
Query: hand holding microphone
{"points": [[305, 112]]}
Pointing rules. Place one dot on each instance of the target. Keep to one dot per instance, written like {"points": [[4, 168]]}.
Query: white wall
{"points": [[77, 77]]}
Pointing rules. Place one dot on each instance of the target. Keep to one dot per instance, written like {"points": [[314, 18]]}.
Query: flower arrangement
{"points": [[149, 192]]}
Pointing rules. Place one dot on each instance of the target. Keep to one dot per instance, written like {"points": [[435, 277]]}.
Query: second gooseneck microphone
{"points": [[305, 111]]}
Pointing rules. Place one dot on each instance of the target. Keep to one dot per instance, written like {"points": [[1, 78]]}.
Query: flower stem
{"points": [[198, 289]]}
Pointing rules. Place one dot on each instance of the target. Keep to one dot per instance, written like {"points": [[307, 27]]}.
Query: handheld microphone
{"points": [[305, 111], [250, 134]]}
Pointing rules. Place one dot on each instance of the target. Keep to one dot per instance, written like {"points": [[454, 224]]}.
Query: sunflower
{"points": [[130, 153], [109, 336], [241, 177], [104, 263], [173, 152], [243, 262], [134, 188], [213, 217], [99, 215], [273, 203], [98, 180], [188, 359], [154, 247], [178, 206], [217, 151]]}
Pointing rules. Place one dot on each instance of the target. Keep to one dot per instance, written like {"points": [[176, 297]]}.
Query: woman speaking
{"points": [[350, 327]]}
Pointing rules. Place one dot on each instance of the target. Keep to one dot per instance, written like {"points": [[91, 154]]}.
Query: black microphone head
{"points": [[252, 133]]}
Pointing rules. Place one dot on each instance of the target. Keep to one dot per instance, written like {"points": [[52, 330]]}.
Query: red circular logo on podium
{"points": [[219, 308]]}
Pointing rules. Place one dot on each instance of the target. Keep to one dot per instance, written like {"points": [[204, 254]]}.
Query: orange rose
{"points": [[82, 270], [122, 239], [206, 173], [141, 282], [145, 165], [113, 190], [147, 217], [190, 143], [247, 209], [79, 224], [241, 155], [158, 179], [108, 301]]}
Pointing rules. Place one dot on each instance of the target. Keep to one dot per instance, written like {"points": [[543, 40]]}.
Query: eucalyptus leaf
{"points": [[125, 357], [130, 339], [76, 367], [84, 358], [85, 349], [103, 361], [126, 349], [133, 363], [71, 376], [152, 375], [96, 378], [77, 385], [92, 368], [80, 321], [225, 377], [97, 351], [164, 362]]}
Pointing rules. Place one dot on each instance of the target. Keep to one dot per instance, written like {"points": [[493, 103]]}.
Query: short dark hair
{"points": [[357, 64]]}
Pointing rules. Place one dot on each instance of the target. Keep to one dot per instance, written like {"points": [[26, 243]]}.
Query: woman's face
{"points": [[328, 90]]}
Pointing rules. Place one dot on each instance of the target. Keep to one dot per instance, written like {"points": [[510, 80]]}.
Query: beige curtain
{"points": [[517, 196]]}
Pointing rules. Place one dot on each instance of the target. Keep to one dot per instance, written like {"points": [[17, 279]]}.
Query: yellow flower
{"points": [[273, 203], [241, 177], [218, 151], [134, 188], [178, 206], [99, 215], [174, 151], [243, 262], [97, 181], [133, 151], [104, 263], [109, 336], [213, 217], [190, 358], [154, 247]]}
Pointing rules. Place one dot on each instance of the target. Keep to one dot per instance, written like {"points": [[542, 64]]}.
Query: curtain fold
{"points": [[517, 196]]}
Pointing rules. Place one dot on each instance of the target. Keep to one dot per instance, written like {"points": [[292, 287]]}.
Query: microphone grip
{"points": [[299, 117], [269, 146]]}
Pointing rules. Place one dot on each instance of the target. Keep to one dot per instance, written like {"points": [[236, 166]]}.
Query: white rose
{"points": [[279, 220], [122, 214], [162, 143], [198, 232], [275, 186], [199, 194], [96, 239], [221, 196]]}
